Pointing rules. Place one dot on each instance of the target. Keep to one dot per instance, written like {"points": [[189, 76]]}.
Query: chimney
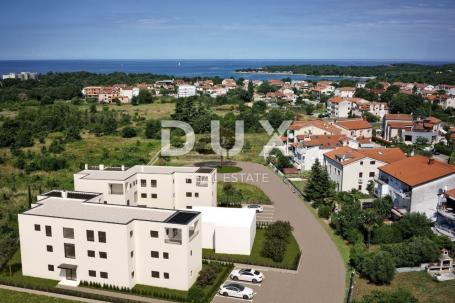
{"points": [[430, 161], [86, 166], [101, 166]]}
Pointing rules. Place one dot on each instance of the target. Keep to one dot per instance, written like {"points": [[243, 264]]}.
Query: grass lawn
{"points": [[228, 169], [16, 273], [249, 193], [419, 284], [9, 296], [256, 258]]}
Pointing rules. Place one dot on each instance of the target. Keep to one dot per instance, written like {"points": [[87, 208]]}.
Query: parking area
{"points": [[256, 287], [267, 215]]}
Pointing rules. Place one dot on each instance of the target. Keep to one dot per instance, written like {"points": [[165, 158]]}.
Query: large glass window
{"points": [[116, 189], [68, 233], [70, 251]]}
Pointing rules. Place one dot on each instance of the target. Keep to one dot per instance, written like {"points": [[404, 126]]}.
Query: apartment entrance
{"points": [[69, 271]]}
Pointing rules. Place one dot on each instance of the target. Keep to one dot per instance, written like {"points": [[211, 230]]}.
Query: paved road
{"points": [[321, 276]]}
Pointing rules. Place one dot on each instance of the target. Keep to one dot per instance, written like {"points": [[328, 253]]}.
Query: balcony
{"points": [[173, 236]]}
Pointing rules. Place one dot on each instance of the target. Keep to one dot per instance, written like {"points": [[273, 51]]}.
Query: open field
{"points": [[419, 284], [248, 193]]}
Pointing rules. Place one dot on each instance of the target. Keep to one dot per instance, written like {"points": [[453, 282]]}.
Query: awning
{"points": [[67, 266]]}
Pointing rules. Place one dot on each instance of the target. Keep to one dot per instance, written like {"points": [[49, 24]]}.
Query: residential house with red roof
{"points": [[415, 184], [355, 128], [404, 128], [354, 168]]}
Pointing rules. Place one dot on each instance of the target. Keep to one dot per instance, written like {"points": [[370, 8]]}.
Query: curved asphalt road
{"points": [[321, 276]]}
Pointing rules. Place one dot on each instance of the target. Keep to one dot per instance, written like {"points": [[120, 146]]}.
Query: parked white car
{"points": [[247, 274], [236, 290], [257, 207]]}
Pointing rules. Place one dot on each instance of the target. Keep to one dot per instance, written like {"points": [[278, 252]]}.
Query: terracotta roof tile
{"points": [[398, 117], [353, 124], [386, 155], [418, 170]]}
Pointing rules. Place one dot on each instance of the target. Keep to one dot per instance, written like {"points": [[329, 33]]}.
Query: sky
{"points": [[246, 29]]}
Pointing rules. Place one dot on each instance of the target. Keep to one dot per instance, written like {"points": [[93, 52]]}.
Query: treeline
{"points": [[405, 72]]}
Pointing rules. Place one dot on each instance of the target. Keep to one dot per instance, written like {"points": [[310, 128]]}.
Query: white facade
{"points": [[345, 92], [228, 230], [186, 91], [151, 186], [305, 157], [339, 109], [73, 237]]}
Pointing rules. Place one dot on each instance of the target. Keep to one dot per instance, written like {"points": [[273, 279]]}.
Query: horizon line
{"points": [[227, 59]]}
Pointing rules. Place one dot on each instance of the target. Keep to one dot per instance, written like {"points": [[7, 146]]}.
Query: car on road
{"points": [[257, 207], [247, 274], [236, 290]]}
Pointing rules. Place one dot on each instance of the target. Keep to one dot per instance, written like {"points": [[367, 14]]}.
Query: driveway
{"points": [[321, 275]]}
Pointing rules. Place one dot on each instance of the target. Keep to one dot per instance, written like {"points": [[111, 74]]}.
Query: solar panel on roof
{"points": [[182, 217]]}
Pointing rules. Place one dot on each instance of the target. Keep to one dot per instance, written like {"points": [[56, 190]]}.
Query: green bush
{"points": [[386, 234], [208, 274], [413, 252], [378, 267], [279, 230], [353, 235], [398, 296], [274, 249], [196, 294], [324, 211], [128, 132]]}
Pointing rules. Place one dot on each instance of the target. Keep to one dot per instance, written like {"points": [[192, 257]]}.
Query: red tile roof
{"points": [[325, 141], [398, 117], [329, 128], [418, 170], [386, 155], [353, 124]]}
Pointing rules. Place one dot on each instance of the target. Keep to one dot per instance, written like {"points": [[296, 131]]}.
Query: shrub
{"points": [[413, 252], [324, 211], [353, 235], [386, 234], [279, 230], [414, 225], [129, 132], [378, 267], [357, 254], [275, 249], [207, 275]]}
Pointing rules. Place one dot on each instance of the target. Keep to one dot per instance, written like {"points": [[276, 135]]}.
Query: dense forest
{"points": [[432, 74]]}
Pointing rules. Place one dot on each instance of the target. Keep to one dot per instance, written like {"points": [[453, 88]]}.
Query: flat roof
{"points": [[76, 209], [223, 216], [110, 174]]}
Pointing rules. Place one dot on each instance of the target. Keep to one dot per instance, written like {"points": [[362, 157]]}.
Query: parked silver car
{"points": [[236, 290], [247, 274]]}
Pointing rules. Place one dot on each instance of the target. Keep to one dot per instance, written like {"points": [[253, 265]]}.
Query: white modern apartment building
{"points": [[151, 186], [21, 76], [73, 237], [186, 90]]}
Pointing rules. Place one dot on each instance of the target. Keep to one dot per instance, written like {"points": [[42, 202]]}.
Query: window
{"points": [[196, 195], [132, 274], [132, 253], [191, 252], [91, 253], [116, 189], [360, 187], [48, 231], [372, 162], [131, 233], [155, 274], [165, 255], [50, 267], [103, 254], [102, 237], [188, 181], [154, 234], [37, 227], [155, 254], [153, 183], [360, 175], [371, 174], [70, 250], [188, 194], [202, 181], [143, 195], [90, 235], [103, 274], [68, 233], [361, 162], [154, 196], [92, 273], [166, 275], [143, 183], [49, 248]]}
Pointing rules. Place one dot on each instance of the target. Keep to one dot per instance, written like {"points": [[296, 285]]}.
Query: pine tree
{"points": [[319, 186]]}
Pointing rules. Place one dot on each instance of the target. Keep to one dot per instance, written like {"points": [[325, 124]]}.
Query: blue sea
{"points": [[182, 68]]}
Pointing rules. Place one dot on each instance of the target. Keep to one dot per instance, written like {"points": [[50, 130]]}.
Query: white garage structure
{"points": [[228, 230]]}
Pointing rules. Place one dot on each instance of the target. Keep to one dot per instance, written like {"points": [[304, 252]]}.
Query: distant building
{"points": [[404, 128], [21, 76], [355, 128], [344, 92], [186, 90]]}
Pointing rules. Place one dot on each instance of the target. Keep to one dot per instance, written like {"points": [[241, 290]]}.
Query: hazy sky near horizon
{"points": [[200, 29]]}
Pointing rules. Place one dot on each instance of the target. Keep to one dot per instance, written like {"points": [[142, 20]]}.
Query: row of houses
{"points": [[126, 226], [344, 107]]}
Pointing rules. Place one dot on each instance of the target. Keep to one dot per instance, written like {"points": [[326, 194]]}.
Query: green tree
{"points": [[370, 220], [379, 267], [153, 129], [319, 187], [128, 132]]}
